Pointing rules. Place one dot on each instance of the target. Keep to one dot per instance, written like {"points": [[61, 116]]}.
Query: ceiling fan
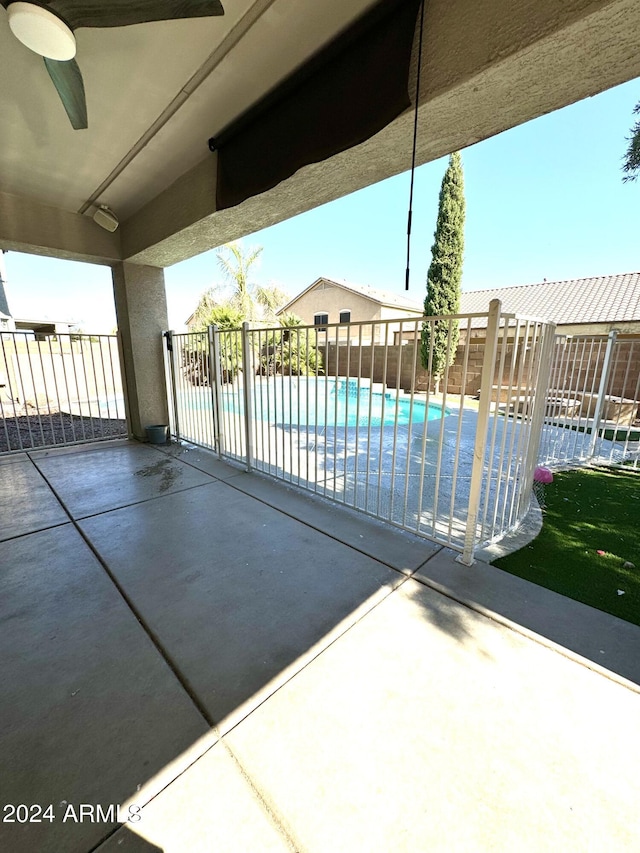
{"points": [[47, 28]]}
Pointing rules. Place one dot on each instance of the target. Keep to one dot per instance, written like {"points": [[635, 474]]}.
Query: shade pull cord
{"points": [[415, 142]]}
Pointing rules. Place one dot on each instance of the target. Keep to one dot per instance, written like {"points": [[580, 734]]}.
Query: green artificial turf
{"points": [[587, 512]]}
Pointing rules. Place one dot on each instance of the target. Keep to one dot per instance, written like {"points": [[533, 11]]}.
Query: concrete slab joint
{"points": [[253, 685]]}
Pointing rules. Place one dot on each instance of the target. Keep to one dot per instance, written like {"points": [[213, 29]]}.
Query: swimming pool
{"points": [[308, 402], [321, 402]]}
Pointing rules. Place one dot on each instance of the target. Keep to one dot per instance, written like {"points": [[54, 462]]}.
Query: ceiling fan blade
{"points": [[67, 79], [122, 13]]}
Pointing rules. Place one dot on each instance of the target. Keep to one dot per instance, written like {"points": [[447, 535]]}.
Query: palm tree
{"points": [[238, 293], [227, 306], [288, 351], [195, 350], [253, 301], [224, 315], [289, 321], [270, 298], [236, 269]]}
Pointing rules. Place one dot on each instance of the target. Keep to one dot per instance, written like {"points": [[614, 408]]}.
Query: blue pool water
{"points": [[330, 402], [311, 403]]}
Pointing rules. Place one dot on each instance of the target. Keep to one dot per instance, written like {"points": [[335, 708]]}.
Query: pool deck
{"points": [[254, 669], [417, 476]]}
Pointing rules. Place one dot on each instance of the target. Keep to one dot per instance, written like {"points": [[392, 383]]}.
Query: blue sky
{"points": [[544, 200]]}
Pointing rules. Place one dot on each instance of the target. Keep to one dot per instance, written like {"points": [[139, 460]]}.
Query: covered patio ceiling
{"points": [[157, 91]]}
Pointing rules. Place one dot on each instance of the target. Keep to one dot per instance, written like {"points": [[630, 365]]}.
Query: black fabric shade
{"points": [[340, 98]]}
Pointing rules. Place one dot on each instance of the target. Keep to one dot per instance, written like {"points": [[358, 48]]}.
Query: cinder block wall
{"points": [[583, 369], [399, 365], [583, 373]]}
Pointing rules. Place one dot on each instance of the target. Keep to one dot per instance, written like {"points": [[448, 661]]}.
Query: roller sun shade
{"points": [[344, 95]]}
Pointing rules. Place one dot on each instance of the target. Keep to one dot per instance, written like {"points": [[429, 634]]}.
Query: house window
{"points": [[345, 316], [320, 320]]}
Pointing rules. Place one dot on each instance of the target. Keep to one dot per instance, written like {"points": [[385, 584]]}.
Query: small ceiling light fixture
{"points": [[41, 31], [105, 218]]}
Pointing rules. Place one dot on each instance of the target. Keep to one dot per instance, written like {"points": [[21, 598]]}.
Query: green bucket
{"points": [[157, 434]]}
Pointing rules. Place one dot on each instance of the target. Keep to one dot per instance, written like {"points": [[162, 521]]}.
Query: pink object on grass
{"points": [[542, 475]]}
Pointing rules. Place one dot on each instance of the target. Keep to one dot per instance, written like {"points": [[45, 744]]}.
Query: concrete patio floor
{"points": [[246, 668]]}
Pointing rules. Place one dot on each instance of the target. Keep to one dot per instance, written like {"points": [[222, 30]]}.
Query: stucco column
{"points": [[141, 309]]}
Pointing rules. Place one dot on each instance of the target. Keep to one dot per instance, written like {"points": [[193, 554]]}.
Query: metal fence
{"points": [[450, 468], [593, 402], [59, 390]]}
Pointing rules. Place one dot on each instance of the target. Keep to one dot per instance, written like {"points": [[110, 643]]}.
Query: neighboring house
{"points": [[579, 306], [327, 301], [582, 306], [43, 328], [40, 327], [6, 322], [588, 306]]}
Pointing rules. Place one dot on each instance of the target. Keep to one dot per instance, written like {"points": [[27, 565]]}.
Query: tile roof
{"points": [[384, 297], [601, 299]]}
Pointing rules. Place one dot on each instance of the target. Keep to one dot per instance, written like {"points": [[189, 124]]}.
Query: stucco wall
{"points": [[486, 67], [330, 299], [632, 327]]}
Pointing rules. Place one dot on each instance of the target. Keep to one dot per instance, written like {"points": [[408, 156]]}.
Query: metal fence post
{"points": [[215, 383], [246, 387], [604, 381], [538, 411], [482, 429], [172, 374]]}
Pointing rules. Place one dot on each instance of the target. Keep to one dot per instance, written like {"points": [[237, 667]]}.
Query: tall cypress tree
{"points": [[631, 165], [445, 272]]}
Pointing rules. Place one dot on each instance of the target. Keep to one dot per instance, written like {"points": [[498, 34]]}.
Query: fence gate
{"points": [[593, 403], [59, 390]]}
